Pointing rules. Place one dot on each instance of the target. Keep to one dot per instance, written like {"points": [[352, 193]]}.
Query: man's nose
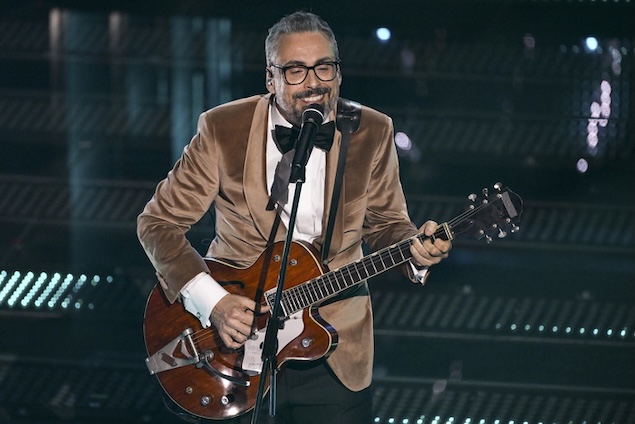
{"points": [[312, 79]]}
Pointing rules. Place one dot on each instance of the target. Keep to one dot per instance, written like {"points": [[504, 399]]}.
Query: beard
{"points": [[292, 110]]}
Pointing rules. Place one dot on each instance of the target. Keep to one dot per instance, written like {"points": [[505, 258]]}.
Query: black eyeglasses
{"points": [[296, 74]]}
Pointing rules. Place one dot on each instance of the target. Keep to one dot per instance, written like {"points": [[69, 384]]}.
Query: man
{"points": [[231, 163]]}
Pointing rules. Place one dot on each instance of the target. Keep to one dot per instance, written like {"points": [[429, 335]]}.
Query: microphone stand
{"points": [[275, 323]]}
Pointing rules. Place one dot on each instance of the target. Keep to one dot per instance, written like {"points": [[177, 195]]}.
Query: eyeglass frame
{"points": [[284, 69]]}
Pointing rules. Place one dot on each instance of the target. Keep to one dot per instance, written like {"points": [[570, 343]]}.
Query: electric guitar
{"points": [[207, 379]]}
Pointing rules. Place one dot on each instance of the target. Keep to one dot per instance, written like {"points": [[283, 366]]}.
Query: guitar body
{"points": [[215, 394]]}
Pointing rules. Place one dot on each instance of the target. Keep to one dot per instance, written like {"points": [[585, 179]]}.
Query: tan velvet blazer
{"points": [[225, 164]]}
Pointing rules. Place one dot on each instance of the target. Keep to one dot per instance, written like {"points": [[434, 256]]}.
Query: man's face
{"points": [[308, 49]]}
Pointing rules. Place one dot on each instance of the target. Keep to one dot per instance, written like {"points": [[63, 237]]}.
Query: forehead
{"points": [[304, 47]]}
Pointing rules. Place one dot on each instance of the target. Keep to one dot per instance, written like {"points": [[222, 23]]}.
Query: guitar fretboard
{"points": [[334, 282]]}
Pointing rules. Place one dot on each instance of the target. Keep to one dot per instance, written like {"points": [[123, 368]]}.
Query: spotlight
{"points": [[383, 34], [591, 44]]}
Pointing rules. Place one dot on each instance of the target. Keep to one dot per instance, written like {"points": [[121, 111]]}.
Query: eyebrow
{"points": [[299, 62]]}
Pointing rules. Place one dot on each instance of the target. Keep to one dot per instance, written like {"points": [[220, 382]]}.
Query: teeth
{"points": [[313, 99]]}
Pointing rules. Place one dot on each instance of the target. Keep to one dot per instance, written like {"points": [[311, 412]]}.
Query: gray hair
{"points": [[297, 22]]}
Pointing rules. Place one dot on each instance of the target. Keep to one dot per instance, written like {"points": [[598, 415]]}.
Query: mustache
{"points": [[318, 91]]}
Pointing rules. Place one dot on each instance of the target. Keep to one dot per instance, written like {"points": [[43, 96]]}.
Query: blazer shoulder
{"points": [[372, 118], [235, 108]]}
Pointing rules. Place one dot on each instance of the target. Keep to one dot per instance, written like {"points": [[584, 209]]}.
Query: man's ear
{"points": [[269, 81]]}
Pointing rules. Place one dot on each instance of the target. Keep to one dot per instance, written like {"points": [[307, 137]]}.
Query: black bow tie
{"points": [[285, 137]]}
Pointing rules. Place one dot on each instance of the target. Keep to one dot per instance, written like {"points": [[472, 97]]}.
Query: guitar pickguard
{"points": [[252, 360]]}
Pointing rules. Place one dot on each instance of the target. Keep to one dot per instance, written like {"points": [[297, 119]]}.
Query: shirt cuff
{"points": [[419, 274], [200, 295]]}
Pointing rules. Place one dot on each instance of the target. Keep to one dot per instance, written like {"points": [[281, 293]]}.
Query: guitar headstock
{"points": [[492, 214]]}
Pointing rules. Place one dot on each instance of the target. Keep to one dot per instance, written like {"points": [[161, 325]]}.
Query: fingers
{"points": [[429, 253], [233, 317]]}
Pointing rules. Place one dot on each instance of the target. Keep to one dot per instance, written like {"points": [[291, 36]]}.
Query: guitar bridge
{"points": [[165, 360]]}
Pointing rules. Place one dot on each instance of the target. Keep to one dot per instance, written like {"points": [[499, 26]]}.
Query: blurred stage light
{"points": [[30, 291], [582, 166], [591, 44], [403, 141], [383, 34]]}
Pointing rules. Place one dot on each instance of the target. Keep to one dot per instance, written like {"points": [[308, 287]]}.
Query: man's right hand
{"points": [[233, 316]]}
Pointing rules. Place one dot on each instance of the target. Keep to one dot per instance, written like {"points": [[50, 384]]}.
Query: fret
{"points": [[309, 295], [329, 283], [342, 283], [302, 298], [381, 259], [319, 289], [305, 295], [284, 305], [354, 278], [348, 280], [359, 276], [391, 257], [401, 251], [372, 262], [367, 274], [380, 256], [338, 278], [292, 300]]}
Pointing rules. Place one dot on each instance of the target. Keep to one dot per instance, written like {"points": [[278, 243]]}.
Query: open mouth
{"points": [[313, 99]]}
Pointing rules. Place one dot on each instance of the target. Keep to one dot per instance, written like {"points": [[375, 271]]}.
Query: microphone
{"points": [[312, 118]]}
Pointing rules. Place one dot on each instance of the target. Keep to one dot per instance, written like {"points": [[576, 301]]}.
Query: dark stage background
{"points": [[98, 98]]}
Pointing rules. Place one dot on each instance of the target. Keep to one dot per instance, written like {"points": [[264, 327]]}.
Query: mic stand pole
{"points": [[275, 323]]}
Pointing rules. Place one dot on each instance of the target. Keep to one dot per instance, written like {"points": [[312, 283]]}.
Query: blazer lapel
{"points": [[254, 172], [332, 159]]}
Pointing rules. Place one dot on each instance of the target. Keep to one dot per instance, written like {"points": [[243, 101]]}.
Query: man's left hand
{"points": [[429, 253]]}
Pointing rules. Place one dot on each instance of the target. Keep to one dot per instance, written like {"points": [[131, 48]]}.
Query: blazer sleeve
{"points": [[180, 200], [386, 221]]}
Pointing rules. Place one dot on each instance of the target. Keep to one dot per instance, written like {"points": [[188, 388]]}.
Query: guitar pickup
{"points": [[165, 359]]}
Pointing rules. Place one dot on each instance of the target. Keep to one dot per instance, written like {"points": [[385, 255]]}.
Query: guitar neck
{"points": [[478, 221], [334, 282]]}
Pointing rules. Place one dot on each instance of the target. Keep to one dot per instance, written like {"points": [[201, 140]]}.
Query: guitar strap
{"points": [[347, 120]]}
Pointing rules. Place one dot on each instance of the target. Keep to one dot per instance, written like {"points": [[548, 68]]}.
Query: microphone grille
{"points": [[315, 112]]}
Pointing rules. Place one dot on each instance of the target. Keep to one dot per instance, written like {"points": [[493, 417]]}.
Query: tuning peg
{"points": [[485, 192], [488, 239], [498, 186], [501, 233], [472, 197], [515, 228]]}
